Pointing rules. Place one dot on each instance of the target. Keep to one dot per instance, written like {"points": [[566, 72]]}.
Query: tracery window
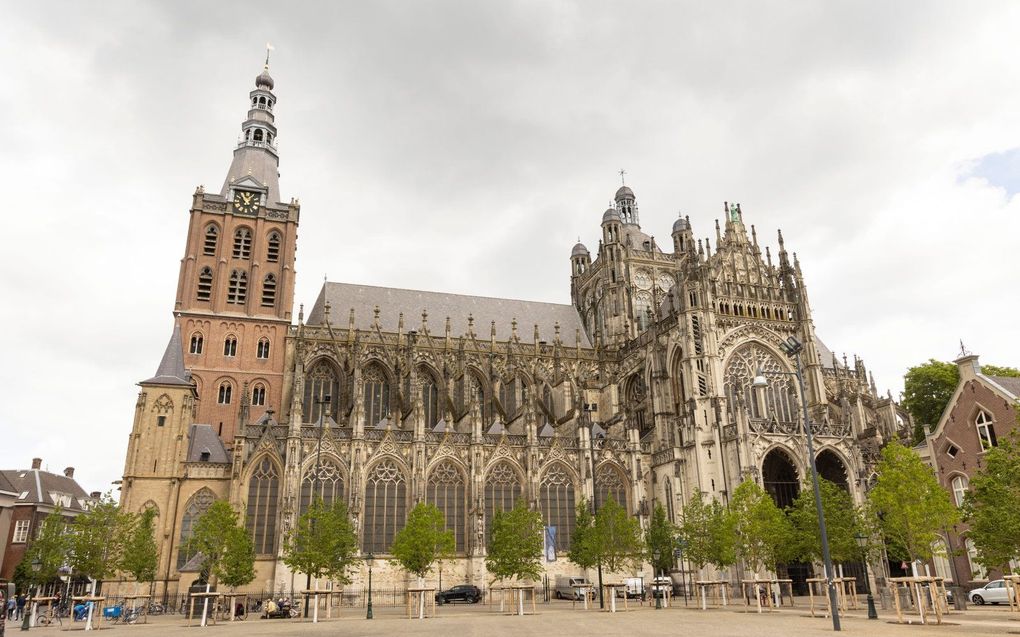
{"points": [[642, 310], [609, 483], [327, 483], [321, 380], [446, 491], [263, 495], [262, 348], [196, 343], [205, 284], [385, 506], [502, 490], [477, 389], [429, 398], [986, 430], [556, 502], [258, 395], [377, 395], [209, 243], [773, 401], [237, 288], [636, 394], [196, 507], [242, 243], [269, 290], [273, 247]]}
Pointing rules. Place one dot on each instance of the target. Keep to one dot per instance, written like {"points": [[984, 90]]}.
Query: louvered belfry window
{"points": [[385, 506]]}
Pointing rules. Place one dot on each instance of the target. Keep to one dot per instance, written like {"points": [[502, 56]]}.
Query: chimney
{"points": [[69, 472], [95, 495], [37, 463]]}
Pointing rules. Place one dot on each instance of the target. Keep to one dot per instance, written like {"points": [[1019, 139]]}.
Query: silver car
{"points": [[993, 592]]}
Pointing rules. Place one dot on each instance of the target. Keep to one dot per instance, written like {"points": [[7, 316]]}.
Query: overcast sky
{"points": [[465, 146]]}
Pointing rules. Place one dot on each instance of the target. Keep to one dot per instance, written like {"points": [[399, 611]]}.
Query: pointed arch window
{"points": [[502, 489], [960, 485], [258, 395], [986, 430], [196, 507], [478, 396], [224, 395], [263, 495], [237, 290], [447, 492], [326, 483], [321, 380], [977, 570], [609, 483], [262, 348], [242, 243], [377, 395], [761, 404], [556, 502], [429, 398], [205, 281], [230, 346], [269, 290], [212, 236], [196, 343], [273, 247], [385, 506]]}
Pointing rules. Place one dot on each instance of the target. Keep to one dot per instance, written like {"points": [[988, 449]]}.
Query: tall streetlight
{"points": [[656, 589], [369, 558], [27, 620], [323, 403], [589, 409], [792, 348], [862, 541]]}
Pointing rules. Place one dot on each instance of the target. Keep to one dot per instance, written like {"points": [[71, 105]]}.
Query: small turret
{"points": [[626, 204], [683, 237], [611, 222], [580, 259]]}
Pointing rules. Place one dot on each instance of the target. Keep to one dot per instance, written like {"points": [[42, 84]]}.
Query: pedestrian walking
{"points": [[21, 606], [12, 607]]}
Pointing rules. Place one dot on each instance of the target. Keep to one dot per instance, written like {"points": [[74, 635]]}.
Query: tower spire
{"points": [[254, 170]]}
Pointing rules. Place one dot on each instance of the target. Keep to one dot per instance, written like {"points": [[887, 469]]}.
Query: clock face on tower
{"points": [[246, 203]]}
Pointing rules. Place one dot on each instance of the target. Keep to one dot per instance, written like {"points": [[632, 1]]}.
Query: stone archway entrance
{"points": [[781, 480], [831, 468]]}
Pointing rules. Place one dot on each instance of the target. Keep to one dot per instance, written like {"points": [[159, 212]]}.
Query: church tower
{"points": [[236, 286]]}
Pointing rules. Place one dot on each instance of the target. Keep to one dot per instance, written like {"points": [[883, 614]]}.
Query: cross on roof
{"points": [[623, 181]]}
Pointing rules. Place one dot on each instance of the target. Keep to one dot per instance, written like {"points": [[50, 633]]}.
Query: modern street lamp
{"points": [[26, 621], [655, 579], [369, 558], [323, 403], [862, 541], [792, 348], [681, 544], [588, 410]]}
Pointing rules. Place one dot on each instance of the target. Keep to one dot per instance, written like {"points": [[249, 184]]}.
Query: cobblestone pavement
{"points": [[560, 620]]}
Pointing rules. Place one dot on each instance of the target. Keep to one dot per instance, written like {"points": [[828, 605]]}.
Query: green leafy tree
{"points": [[141, 555], [995, 370], [49, 548], [227, 550], [423, 541], [620, 545], [911, 508], [992, 505], [323, 543], [927, 389], [515, 544], [708, 533], [98, 539], [582, 540], [842, 523], [660, 538], [764, 535]]}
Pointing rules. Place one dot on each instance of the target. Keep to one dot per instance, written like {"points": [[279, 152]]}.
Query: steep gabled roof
{"points": [[171, 368], [202, 439]]}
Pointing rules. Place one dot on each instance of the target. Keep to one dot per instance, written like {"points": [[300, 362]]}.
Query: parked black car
{"points": [[460, 593]]}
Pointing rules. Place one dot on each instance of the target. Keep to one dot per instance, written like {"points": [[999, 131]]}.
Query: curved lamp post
{"points": [[792, 348], [862, 541], [369, 558]]}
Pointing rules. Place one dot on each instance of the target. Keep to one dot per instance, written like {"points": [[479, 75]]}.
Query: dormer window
{"points": [[204, 455]]}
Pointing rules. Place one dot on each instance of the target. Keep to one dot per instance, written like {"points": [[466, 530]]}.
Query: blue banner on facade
{"points": [[550, 544]]}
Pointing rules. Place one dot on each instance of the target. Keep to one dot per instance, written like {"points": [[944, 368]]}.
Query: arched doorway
{"points": [[830, 467], [780, 478]]}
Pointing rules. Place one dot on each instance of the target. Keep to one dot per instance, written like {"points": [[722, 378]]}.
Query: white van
{"points": [[567, 587]]}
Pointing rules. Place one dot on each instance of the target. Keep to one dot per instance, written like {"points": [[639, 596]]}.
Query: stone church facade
{"points": [[385, 397]]}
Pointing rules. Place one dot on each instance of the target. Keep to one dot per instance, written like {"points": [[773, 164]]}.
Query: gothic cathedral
{"points": [[642, 389]]}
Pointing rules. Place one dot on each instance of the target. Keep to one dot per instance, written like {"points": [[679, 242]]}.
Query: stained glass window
{"points": [[263, 496], [385, 506], [556, 502], [446, 491]]}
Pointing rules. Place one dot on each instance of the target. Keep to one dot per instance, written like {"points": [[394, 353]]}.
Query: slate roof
{"points": [[202, 439], [1010, 384], [36, 485], [392, 301], [171, 369], [5, 484]]}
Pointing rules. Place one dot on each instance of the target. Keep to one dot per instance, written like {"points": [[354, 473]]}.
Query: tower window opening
{"points": [[269, 291], [230, 346], [258, 135], [258, 396], [160, 421], [237, 290], [224, 394], [205, 280], [273, 247], [242, 243], [209, 245], [196, 343], [262, 349]]}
